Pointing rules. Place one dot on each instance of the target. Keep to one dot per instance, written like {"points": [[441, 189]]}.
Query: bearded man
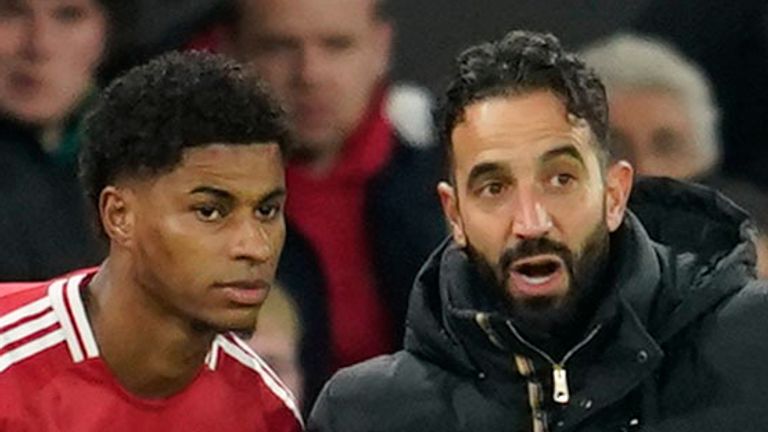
{"points": [[553, 307]]}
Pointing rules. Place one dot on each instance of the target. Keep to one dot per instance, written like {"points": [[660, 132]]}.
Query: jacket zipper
{"points": [[560, 393]]}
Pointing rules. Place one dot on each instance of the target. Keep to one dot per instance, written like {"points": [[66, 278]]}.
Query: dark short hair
{"points": [[521, 62], [145, 119]]}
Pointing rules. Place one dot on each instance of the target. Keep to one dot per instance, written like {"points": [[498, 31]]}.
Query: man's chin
{"points": [[243, 323], [544, 307], [313, 147], [544, 314]]}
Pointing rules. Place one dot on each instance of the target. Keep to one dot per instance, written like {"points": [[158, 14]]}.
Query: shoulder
{"points": [[28, 323], [37, 316], [749, 304], [394, 392], [724, 352], [733, 338], [233, 356], [401, 371], [15, 295], [30, 329]]}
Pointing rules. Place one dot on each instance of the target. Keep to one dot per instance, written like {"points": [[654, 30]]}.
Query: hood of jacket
{"points": [[680, 251]]}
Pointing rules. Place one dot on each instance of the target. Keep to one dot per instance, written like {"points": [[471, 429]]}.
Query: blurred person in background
{"points": [[362, 212], [50, 51], [729, 40], [664, 119], [277, 338]]}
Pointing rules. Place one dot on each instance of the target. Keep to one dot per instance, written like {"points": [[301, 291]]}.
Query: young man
{"points": [[553, 308], [183, 162]]}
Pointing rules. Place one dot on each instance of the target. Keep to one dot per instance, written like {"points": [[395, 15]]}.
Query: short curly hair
{"points": [[520, 62], [145, 120]]}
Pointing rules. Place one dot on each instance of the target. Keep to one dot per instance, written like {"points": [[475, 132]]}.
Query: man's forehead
{"points": [[318, 15], [533, 109], [523, 123], [231, 167], [215, 153]]}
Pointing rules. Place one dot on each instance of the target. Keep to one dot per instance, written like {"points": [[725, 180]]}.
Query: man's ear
{"points": [[117, 214], [618, 185], [451, 210]]}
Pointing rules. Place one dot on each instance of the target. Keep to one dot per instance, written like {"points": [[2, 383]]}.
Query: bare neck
{"points": [[151, 352]]}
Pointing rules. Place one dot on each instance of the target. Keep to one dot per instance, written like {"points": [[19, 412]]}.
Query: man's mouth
{"points": [[245, 292], [538, 275]]}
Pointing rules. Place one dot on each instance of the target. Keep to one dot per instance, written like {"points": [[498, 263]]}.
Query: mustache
{"points": [[532, 247]]}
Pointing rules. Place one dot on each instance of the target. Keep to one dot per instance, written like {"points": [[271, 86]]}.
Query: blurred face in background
{"points": [[323, 58], [651, 128], [49, 52]]}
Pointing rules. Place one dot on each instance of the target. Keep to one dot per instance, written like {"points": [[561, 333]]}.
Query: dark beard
{"points": [[545, 318]]}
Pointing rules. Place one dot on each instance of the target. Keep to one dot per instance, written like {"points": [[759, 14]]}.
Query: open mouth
{"points": [[538, 270]]}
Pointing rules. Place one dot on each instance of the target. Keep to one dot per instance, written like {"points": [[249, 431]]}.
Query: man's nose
{"points": [[252, 243], [312, 65], [38, 38], [531, 219]]}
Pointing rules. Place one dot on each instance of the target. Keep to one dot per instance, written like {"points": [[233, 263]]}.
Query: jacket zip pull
{"points": [[560, 394]]}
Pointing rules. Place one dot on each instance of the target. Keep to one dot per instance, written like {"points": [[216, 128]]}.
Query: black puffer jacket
{"points": [[678, 344], [46, 226]]}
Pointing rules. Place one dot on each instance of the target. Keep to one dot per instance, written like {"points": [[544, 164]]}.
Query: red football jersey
{"points": [[52, 378]]}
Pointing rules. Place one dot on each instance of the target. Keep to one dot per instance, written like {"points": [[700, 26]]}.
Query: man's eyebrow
{"points": [[482, 169], [275, 194], [565, 150], [210, 190]]}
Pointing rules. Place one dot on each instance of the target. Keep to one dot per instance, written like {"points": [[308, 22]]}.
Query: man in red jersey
{"points": [[183, 161]]}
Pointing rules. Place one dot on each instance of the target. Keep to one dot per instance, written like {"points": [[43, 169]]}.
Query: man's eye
{"points": [[339, 43], [11, 9], [561, 180], [492, 189], [209, 213], [275, 45], [268, 212], [69, 14]]}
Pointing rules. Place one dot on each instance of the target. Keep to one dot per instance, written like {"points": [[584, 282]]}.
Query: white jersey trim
{"points": [[28, 350], [80, 319], [263, 364], [251, 360], [14, 332], [56, 294], [27, 329], [33, 308], [212, 358]]}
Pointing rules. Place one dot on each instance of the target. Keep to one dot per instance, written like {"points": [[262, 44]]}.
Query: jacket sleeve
{"points": [[321, 419]]}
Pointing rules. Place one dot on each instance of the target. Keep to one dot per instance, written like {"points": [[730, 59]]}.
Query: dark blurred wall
{"points": [[431, 33]]}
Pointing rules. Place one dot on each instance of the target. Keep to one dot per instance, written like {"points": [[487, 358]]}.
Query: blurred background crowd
{"points": [[687, 82]]}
